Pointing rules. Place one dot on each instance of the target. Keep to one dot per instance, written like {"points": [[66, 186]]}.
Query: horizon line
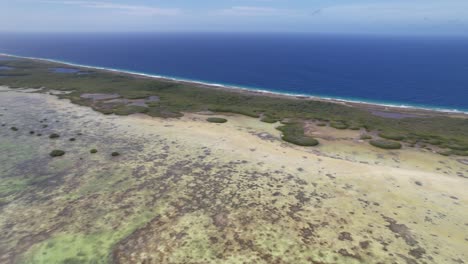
{"points": [[245, 32]]}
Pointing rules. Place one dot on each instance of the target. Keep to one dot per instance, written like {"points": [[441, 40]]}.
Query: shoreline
{"points": [[369, 105]]}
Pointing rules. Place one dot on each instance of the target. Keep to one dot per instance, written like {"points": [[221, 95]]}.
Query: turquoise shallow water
{"points": [[424, 71]]}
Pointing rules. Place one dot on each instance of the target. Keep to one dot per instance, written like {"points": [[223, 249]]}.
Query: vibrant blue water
{"points": [[419, 71]]}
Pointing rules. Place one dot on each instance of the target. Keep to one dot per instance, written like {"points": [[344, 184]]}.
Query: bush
{"points": [[93, 151], [391, 136], [300, 140], [14, 128], [52, 136], [458, 147], [294, 133], [445, 153], [115, 154], [434, 142], [130, 109], [269, 119], [385, 144], [364, 137], [235, 110], [72, 139], [57, 153], [216, 120], [339, 125], [459, 153]]}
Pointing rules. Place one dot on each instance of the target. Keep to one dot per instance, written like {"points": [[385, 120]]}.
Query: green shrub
{"points": [[458, 147], [130, 109], [294, 133], [338, 125], [365, 136], [385, 144], [216, 120], [57, 153], [391, 136], [72, 139], [52, 136], [152, 104], [300, 140], [269, 119], [434, 142], [115, 154], [14, 128], [160, 112], [93, 151], [235, 110], [459, 153], [445, 153]]}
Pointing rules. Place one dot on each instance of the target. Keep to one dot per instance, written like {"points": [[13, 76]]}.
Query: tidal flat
{"points": [[186, 190]]}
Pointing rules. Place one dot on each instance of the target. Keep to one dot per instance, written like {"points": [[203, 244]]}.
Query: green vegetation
{"points": [[177, 97], [391, 136], [294, 133], [269, 119], [14, 128], [54, 135], [365, 137], [128, 110], [57, 153], [216, 120], [355, 127], [458, 147], [339, 125], [115, 154], [93, 151], [454, 152], [385, 144]]}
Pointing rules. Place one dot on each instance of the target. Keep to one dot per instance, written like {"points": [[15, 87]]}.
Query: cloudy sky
{"points": [[329, 16]]}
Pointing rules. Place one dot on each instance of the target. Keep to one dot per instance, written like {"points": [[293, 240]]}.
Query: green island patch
{"points": [[217, 120], [385, 144]]}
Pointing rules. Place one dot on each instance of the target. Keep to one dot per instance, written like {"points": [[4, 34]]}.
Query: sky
{"points": [[434, 17]]}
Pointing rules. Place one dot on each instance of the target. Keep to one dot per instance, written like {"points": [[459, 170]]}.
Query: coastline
{"points": [[369, 104]]}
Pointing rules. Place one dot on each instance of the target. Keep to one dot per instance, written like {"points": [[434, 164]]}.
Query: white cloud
{"points": [[128, 9]]}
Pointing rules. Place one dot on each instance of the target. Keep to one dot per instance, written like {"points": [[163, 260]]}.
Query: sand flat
{"points": [[188, 191]]}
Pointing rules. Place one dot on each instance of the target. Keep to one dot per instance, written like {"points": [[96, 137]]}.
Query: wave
{"points": [[250, 89]]}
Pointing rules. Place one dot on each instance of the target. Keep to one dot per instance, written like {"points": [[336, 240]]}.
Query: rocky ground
{"points": [[189, 191]]}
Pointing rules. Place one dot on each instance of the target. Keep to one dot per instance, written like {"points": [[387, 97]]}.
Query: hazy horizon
{"points": [[238, 16]]}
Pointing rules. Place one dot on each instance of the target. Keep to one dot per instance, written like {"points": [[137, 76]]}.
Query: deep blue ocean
{"points": [[414, 71]]}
